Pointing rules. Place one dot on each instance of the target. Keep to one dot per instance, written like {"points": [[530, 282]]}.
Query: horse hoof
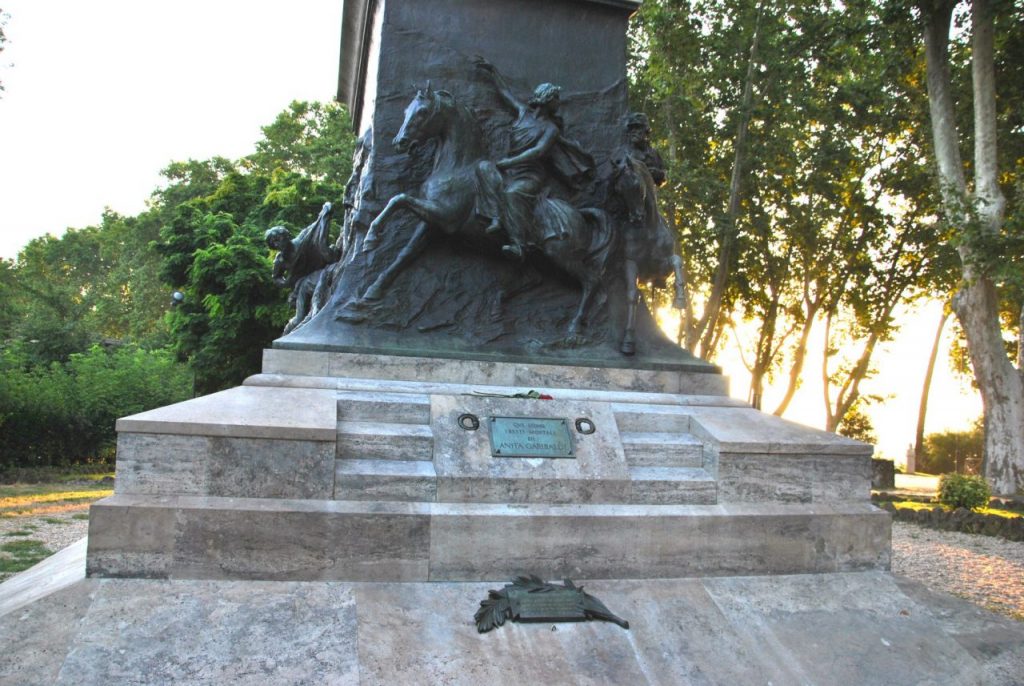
{"points": [[628, 348], [679, 304], [512, 251]]}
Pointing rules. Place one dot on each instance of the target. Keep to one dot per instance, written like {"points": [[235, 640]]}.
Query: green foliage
{"points": [[833, 215], [211, 242], [858, 426], [87, 336], [310, 139], [64, 413], [960, 490], [952, 451]]}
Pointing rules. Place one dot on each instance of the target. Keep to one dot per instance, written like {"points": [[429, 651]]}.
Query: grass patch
{"points": [[91, 471], [17, 556], [22, 500], [54, 520], [914, 505], [19, 532], [80, 516]]}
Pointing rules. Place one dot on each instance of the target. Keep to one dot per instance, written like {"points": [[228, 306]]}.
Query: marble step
{"points": [[662, 449], [390, 480], [672, 486], [650, 417], [395, 408], [384, 441]]}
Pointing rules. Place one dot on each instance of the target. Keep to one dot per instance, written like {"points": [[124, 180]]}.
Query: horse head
{"points": [[425, 117]]}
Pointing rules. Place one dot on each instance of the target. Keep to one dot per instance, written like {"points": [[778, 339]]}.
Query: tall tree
{"points": [[795, 178], [976, 217], [926, 386], [213, 217]]}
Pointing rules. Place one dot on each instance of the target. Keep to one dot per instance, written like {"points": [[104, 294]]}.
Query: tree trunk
{"points": [[976, 304], [922, 412], [799, 356], [709, 328]]}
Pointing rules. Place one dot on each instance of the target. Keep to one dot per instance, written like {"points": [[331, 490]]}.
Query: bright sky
{"points": [[104, 94]]}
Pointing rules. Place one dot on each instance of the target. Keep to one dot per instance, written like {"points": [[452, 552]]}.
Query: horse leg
{"points": [[575, 334], [628, 346], [410, 252], [371, 239], [682, 298]]}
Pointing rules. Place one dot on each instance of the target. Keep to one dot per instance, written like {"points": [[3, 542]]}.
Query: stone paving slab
{"points": [[819, 629], [303, 414]]}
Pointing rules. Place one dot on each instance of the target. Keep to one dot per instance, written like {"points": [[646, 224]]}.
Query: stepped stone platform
{"points": [[334, 521], [863, 628], [354, 467]]}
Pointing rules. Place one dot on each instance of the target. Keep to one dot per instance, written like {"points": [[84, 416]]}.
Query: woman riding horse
{"points": [[536, 147]]}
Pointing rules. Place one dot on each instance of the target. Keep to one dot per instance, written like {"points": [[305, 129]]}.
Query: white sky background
{"points": [[104, 94]]}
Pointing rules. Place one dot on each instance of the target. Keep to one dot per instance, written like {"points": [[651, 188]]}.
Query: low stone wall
{"points": [[961, 519], [883, 473]]}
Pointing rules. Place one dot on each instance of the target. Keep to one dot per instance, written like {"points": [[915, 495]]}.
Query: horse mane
{"points": [[465, 118]]}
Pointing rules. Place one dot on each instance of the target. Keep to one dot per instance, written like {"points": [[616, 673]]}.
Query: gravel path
{"points": [[986, 570], [55, 530]]}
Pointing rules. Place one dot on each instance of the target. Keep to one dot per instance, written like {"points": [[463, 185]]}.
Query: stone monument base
{"points": [[342, 466], [864, 628]]}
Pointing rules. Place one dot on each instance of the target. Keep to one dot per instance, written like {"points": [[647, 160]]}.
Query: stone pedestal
{"points": [[339, 466]]}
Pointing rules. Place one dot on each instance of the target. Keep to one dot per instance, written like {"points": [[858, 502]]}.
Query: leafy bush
{"points": [[61, 414], [952, 451], [959, 490]]}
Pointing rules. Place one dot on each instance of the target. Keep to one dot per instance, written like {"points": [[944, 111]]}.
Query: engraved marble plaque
{"points": [[530, 437]]}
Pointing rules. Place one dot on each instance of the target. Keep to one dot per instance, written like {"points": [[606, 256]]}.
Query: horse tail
{"points": [[602, 236]]}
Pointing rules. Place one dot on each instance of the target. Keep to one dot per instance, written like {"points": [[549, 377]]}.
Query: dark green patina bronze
{"points": [[530, 437], [530, 599]]}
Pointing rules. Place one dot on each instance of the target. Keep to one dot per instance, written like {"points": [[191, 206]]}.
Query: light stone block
{"points": [[672, 486], [645, 449], [166, 464], [481, 372], [36, 638], [794, 478], [650, 417], [389, 480], [472, 541], [637, 380], [401, 368], [295, 362], [245, 412], [746, 430], [468, 472], [253, 538], [216, 632], [394, 408], [869, 628], [384, 441]]}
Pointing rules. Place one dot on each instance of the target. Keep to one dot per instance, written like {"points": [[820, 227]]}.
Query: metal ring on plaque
{"points": [[585, 426], [469, 422]]}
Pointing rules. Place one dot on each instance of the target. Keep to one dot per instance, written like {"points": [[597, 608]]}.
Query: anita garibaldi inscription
{"points": [[547, 437], [531, 437]]}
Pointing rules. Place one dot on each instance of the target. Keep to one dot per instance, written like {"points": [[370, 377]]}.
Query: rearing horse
{"points": [[581, 245], [651, 252]]}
